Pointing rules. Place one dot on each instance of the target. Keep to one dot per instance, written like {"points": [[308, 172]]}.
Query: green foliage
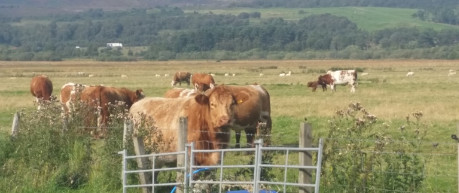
{"points": [[45, 154], [361, 156]]}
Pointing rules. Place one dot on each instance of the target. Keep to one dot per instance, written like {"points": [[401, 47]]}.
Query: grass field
{"points": [[385, 92], [366, 18]]}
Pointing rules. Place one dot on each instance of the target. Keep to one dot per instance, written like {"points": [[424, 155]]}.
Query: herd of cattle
{"points": [[212, 110]]}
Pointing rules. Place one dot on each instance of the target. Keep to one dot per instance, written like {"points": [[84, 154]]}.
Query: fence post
{"points": [[126, 131], [123, 172], [258, 162], [305, 158], [15, 126], [139, 149], [182, 138]]}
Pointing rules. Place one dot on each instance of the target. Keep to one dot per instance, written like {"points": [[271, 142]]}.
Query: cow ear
{"points": [[201, 99], [241, 97]]}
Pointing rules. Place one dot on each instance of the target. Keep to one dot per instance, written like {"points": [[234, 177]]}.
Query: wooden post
{"points": [[139, 149], [457, 133], [127, 130], [15, 126], [305, 176], [182, 139]]}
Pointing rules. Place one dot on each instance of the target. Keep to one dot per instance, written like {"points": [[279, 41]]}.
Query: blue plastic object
{"points": [[194, 172]]}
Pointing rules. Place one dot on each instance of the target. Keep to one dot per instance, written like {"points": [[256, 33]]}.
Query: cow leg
{"points": [[266, 131], [238, 139], [250, 135], [39, 103]]}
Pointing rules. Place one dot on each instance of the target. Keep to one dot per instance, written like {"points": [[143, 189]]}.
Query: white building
{"points": [[114, 45]]}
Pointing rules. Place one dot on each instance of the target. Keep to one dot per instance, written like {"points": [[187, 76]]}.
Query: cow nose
{"points": [[223, 120]]}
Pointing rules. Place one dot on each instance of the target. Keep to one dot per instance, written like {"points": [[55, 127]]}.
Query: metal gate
{"points": [[189, 168]]}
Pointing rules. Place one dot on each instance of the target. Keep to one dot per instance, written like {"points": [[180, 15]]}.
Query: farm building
{"points": [[114, 45]]}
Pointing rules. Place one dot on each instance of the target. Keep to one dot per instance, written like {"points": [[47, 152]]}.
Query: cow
{"points": [[41, 88], [70, 92], [252, 112], [180, 77], [208, 115], [314, 84], [202, 82], [339, 77], [100, 97], [179, 92]]}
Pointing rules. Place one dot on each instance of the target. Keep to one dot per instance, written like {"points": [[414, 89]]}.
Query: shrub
{"points": [[361, 156], [45, 154]]}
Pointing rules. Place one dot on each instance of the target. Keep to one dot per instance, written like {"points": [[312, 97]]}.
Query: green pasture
{"points": [[384, 91], [366, 18]]}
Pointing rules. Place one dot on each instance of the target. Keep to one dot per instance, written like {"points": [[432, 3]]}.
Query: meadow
{"points": [[366, 18], [385, 91]]}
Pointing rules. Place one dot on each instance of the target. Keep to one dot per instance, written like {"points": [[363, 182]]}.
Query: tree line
{"points": [[169, 33]]}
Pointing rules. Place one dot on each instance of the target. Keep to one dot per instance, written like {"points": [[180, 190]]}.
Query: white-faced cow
{"points": [[180, 77], [41, 88], [252, 111], [339, 77], [202, 82], [208, 115]]}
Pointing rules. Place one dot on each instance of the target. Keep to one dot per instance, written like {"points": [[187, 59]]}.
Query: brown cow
{"points": [[252, 112], [98, 98], [180, 77], [202, 82], [101, 96], [207, 115], [41, 88], [314, 84]]}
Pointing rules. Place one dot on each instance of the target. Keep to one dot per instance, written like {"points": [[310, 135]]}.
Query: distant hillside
{"points": [[366, 18], [19, 8]]}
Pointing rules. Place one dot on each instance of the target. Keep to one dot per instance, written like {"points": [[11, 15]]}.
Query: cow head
{"points": [[221, 103], [139, 94]]}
